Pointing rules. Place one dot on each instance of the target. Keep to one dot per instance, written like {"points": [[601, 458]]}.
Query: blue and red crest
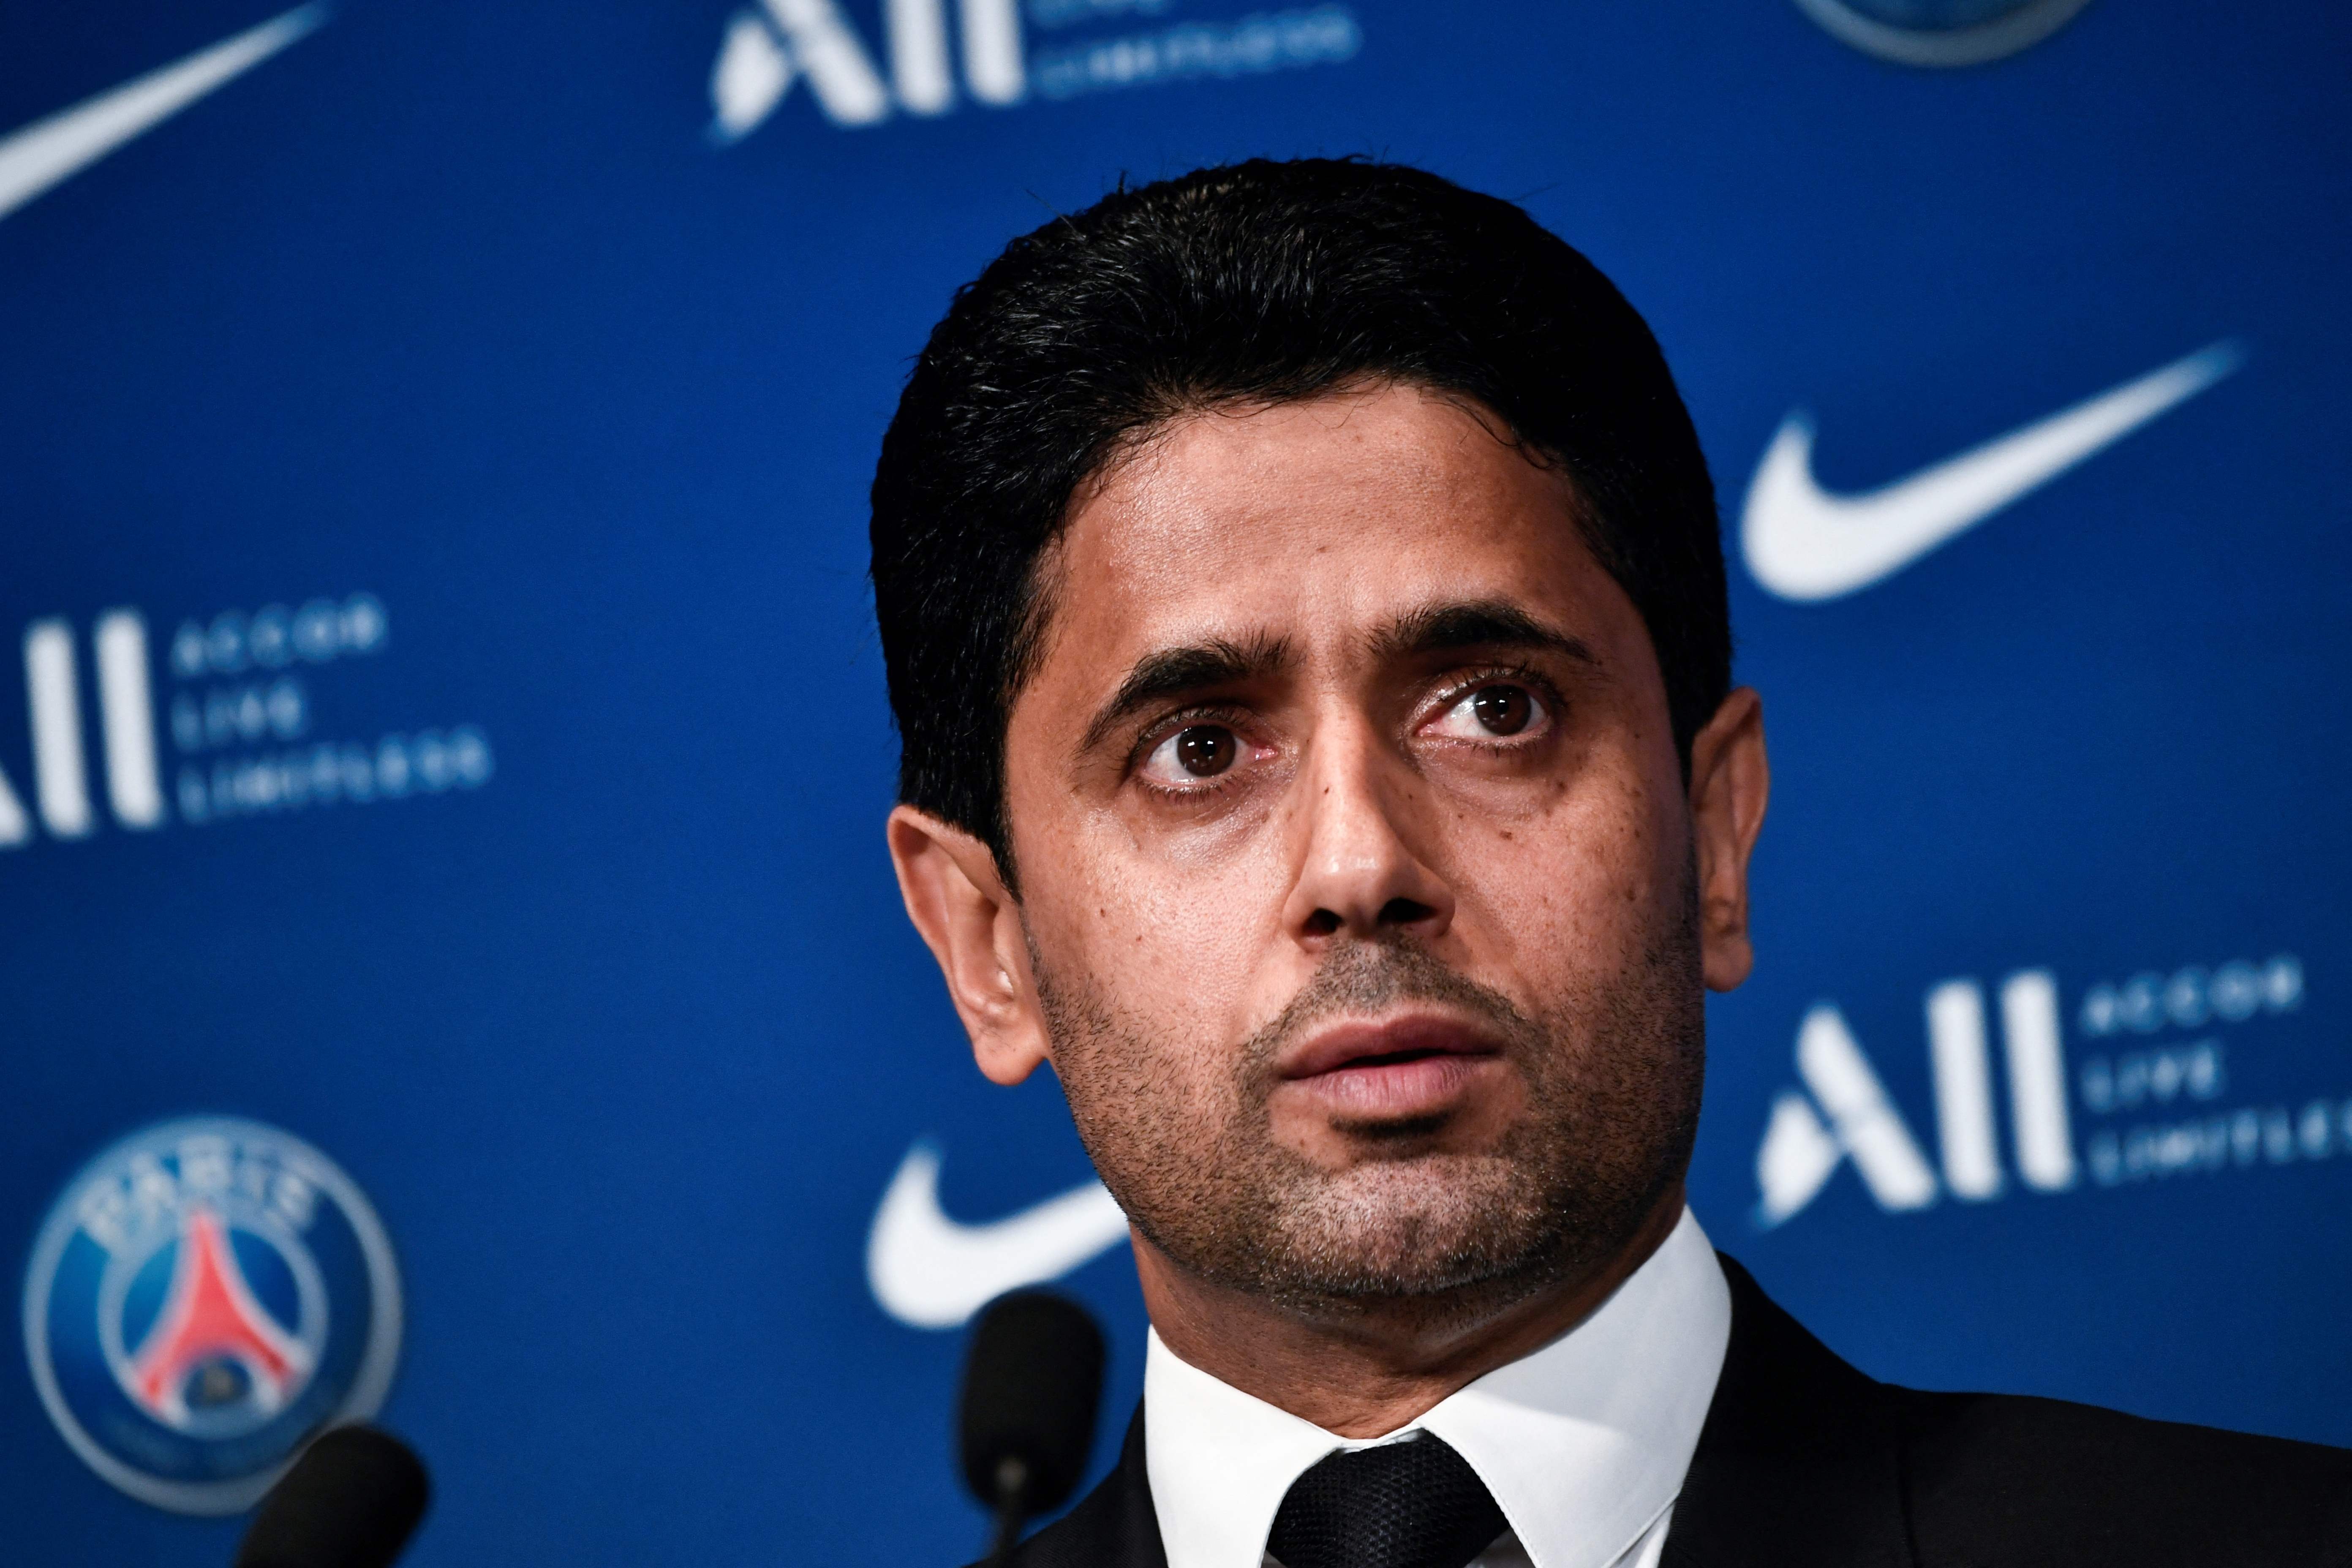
{"points": [[203, 1297]]}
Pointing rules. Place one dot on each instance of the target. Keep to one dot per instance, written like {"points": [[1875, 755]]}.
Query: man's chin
{"points": [[1390, 1229]]}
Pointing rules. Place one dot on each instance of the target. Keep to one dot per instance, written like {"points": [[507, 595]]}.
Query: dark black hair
{"points": [[1259, 282]]}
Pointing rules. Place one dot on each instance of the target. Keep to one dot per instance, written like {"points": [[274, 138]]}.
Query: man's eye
{"points": [[1499, 710], [1196, 752]]}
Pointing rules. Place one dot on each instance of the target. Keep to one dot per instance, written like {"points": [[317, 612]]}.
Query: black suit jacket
{"points": [[1806, 1462]]}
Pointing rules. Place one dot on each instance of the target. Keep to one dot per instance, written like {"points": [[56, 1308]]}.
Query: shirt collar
{"points": [[1585, 1443]]}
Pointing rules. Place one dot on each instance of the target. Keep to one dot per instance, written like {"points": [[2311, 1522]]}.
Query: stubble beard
{"points": [[1612, 1081]]}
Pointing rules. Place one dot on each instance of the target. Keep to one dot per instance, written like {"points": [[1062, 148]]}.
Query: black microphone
{"points": [[351, 1501], [1032, 1385]]}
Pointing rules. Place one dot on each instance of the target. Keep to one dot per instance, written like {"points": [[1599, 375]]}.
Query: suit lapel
{"points": [[1800, 1462]]}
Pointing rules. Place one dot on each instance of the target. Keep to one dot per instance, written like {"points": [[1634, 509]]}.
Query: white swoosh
{"points": [[66, 142], [1806, 545], [930, 1271]]}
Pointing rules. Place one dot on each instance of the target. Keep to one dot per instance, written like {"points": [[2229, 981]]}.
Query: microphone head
{"points": [[351, 1502], [1032, 1387]]}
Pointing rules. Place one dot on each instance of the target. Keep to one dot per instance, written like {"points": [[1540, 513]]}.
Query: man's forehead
{"points": [[1229, 483], [1248, 532]]}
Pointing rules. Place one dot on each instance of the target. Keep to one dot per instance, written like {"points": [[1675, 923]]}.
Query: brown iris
{"points": [[1503, 710], [1205, 750]]}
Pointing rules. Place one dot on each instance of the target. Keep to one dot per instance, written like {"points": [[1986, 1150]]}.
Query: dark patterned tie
{"points": [[1414, 1504]]}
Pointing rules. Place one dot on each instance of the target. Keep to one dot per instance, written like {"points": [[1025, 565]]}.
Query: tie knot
{"points": [[1413, 1504]]}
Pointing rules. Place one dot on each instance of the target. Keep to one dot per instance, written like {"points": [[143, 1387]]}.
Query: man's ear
{"points": [[959, 903], [1730, 781]]}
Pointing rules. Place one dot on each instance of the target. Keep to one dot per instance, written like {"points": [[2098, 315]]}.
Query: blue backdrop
{"points": [[441, 431]]}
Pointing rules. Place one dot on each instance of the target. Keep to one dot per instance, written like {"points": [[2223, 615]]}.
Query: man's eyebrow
{"points": [[1475, 623], [1174, 671]]}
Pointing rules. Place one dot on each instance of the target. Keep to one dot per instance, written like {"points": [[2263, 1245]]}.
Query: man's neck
{"points": [[1374, 1368]]}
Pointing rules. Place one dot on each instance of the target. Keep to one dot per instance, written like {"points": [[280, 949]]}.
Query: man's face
{"points": [[1358, 881]]}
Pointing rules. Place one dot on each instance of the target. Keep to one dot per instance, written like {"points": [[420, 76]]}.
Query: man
{"points": [[1304, 612]]}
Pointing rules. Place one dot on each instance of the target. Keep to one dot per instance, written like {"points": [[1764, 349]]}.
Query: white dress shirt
{"points": [[1584, 1443]]}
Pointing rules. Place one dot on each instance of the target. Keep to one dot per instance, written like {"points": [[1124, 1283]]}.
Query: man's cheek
{"points": [[1599, 857], [1196, 923]]}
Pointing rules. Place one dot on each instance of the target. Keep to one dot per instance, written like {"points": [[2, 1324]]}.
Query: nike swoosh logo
{"points": [[933, 1272], [1806, 545], [56, 149]]}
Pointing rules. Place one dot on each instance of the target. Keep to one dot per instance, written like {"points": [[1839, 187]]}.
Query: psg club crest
{"points": [[205, 1296]]}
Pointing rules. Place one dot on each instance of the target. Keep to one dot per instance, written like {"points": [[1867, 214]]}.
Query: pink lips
{"points": [[1406, 1068]]}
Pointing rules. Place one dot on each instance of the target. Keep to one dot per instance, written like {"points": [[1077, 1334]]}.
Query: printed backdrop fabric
{"points": [[442, 804]]}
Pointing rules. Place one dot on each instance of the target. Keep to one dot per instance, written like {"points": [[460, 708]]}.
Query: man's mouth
{"points": [[1399, 1069]]}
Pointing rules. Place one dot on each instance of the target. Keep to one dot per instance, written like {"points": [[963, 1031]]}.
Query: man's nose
{"points": [[1359, 874]]}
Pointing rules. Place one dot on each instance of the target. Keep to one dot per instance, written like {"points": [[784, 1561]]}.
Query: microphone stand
{"points": [[1012, 1488]]}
